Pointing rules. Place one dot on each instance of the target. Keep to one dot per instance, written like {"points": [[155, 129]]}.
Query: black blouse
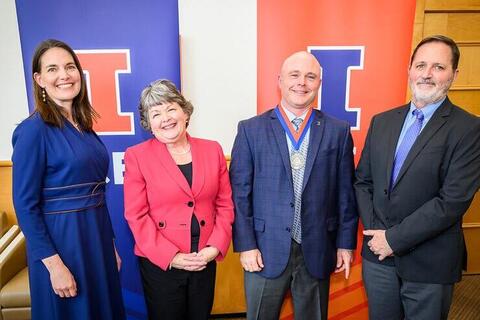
{"points": [[187, 171]]}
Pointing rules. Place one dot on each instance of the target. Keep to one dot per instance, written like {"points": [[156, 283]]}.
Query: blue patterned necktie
{"points": [[407, 143], [297, 123], [297, 176]]}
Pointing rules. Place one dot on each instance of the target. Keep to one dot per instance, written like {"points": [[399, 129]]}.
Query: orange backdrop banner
{"points": [[364, 48]]}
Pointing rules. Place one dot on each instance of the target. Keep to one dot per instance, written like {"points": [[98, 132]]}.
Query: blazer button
{"points": [[292, 204], [385, 191], [161, 224], [202, 223], [287, 229], [190, 204]]}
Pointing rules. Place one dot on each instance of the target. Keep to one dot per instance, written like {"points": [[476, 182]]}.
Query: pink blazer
{"points": [[159, 203]]}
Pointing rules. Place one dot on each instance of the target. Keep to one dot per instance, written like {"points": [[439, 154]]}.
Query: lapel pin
{"points": [[318, 123]]}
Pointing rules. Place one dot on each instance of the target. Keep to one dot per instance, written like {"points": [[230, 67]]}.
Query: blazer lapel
{"points": [[436, 122], [316, 135], [396, 127], [198, 163], [169, 166], [281, 139]]}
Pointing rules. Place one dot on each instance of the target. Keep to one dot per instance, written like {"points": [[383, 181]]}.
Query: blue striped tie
{"points": [[407, 143], [297, 175], [297, 122]]}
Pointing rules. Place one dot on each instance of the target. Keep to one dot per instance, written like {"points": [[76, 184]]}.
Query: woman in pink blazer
{"points": [[178, 205]]}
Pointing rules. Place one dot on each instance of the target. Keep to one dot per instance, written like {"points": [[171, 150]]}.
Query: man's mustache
{"points": [[426, 82]]}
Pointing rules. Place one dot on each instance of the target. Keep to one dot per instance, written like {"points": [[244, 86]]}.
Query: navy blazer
{"points": [[262, 187], [423, 211]]}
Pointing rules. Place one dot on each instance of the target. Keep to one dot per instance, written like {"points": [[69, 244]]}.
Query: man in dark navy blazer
{"points": [[413, 190], [295, 214]]}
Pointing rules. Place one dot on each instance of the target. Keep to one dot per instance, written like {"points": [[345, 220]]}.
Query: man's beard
{"points": [[438, 92]]}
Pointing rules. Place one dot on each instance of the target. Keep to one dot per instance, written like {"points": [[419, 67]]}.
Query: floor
{"points": [[465, 304]]}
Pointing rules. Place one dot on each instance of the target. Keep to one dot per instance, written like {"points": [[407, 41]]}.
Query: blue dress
{"points": [[58, 192]]}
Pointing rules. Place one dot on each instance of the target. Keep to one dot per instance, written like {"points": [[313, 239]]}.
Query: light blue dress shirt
{"points": [[428, 112]]}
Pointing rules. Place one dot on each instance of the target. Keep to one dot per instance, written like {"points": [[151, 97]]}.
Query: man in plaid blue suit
{"points": [[295, 214]]}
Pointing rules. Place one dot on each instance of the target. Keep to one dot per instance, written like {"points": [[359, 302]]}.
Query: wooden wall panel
{"points": [[472, 239], [452, 4], [469, 66], [229, 294], [6, 202], [467, 99], [462, 26], [470, 216], [418, 26]]}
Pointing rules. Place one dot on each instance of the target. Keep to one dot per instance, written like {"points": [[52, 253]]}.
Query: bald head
{"points": [[301, 57], [299, 81]]}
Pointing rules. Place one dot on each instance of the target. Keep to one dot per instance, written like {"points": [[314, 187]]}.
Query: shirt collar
{"points": [[428, 110], [292, 116]]}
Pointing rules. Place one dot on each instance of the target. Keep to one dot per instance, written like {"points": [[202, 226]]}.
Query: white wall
{"points": [[219, 71], [218, 40], [13, 99]]}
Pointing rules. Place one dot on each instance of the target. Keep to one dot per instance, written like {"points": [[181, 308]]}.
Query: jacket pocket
{"points": [[259, 224], [323, 153], [434, 149]]}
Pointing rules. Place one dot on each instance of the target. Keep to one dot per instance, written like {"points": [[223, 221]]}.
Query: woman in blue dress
{"points": [[59, 171]]}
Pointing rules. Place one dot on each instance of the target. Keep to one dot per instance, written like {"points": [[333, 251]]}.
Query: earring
{"points": [[44, 95]]}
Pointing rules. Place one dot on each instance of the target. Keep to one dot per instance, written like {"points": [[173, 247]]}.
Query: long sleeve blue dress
{"points": [[58, 192]]}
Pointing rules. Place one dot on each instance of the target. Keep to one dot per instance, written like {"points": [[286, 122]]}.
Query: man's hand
{"points": [[344, 260], [188, 261], [378, 244], [251, 260]]}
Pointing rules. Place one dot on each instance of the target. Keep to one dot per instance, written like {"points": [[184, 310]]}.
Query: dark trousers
{"points": [[390, 297], [178, 294], [309, 294]]}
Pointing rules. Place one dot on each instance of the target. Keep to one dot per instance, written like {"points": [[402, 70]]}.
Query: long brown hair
{"points": [[82, 112]]}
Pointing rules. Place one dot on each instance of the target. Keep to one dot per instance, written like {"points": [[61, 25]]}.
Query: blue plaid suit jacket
{"points": [[261, 179]]}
